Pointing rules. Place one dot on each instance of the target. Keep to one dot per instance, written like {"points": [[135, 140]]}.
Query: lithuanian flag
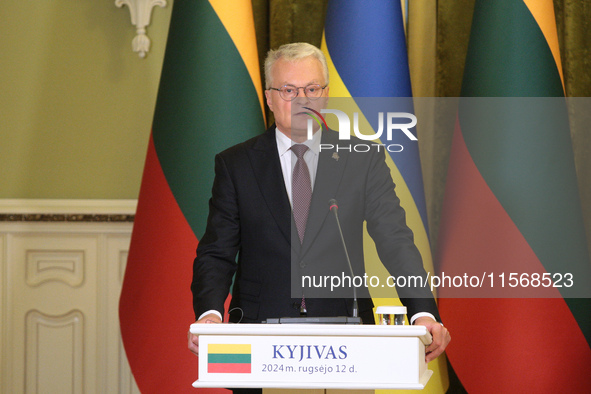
{"points": [[209, 98], [228, 358], [512, 204], [365, 47]]}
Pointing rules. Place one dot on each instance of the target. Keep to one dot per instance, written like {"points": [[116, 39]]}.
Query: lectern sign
{"points": [[311, 356]]}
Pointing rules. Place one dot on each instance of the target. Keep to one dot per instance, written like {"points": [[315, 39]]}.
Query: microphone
{"points": [[334, 207]]}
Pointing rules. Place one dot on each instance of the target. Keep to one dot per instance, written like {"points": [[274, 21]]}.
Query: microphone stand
{"points": [[333, 204]]}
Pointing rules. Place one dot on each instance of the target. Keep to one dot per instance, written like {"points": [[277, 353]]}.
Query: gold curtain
{"points": [[573, 19], [279, 22], [438, 35]]}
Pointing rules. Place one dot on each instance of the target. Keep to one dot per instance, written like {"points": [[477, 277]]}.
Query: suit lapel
{"points": [[267, 169], [329, 174]]}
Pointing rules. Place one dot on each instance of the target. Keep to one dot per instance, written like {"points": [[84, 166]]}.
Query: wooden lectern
{"points": [[312, 356]]}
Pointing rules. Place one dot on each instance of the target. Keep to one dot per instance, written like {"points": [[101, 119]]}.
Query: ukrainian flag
{"points": [[365, 46]]}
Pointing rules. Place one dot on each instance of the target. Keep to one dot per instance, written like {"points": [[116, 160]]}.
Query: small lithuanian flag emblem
{"points": [[228, 358]]}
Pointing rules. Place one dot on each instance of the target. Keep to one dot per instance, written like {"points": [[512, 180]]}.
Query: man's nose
{"points": [[301, 100]]}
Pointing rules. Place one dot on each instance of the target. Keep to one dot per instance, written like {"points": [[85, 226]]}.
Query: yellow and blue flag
{"points": [[365, 46]]}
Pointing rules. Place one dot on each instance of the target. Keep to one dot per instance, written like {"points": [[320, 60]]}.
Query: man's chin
{"points": [[299, 124], [301, 134]]}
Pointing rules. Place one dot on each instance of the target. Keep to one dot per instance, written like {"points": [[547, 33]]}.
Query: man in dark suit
{"points": [[255, 215]]}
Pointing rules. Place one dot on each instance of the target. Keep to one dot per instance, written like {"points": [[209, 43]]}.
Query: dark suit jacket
{"points": [[250, 217]]}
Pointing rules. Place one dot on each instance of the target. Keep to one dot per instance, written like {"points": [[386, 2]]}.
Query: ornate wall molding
{"points": [[67, 210], [37, 217], [141, 13]]}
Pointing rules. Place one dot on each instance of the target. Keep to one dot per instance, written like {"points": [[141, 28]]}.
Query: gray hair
{"points": [[293, 52]]}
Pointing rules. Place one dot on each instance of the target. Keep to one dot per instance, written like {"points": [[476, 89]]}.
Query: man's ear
{"points": [[268, 97]]}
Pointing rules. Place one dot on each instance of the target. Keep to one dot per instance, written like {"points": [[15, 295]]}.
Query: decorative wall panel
{"points": [[54, 353], [60, 278], [65, 266]]}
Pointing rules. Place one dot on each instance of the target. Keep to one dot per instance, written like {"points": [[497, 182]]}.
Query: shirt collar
{"points": [[284, 143]]}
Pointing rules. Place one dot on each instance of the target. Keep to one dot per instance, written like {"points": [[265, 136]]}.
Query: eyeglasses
{"points": [[290, 92]]}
